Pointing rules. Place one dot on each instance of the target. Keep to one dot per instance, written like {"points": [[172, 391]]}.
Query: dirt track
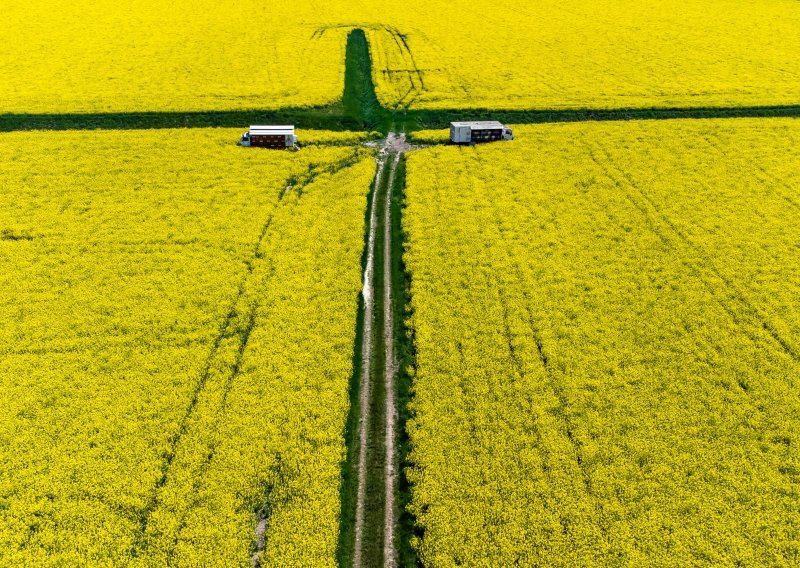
{"points": [[390, 369], [368, 293], [379, 362]]}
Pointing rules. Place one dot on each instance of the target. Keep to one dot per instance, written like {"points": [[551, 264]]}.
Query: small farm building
{"points": [[278, 137], [479, 132]]}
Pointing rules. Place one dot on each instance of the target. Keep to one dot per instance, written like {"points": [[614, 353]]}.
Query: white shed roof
{"points": [[272, 130], [479, 124]]}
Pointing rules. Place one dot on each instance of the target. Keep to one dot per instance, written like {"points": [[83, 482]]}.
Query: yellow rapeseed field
{"points": [[577, 54], [605, 316], [177, 318], [608, 346], [147, 55]]}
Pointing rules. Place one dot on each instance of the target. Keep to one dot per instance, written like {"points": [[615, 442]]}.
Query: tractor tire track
{"points": [[227, 329], [236, 327], [402, 44], [416, 77]]}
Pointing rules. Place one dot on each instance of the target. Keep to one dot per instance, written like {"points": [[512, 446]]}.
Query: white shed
{"points": [[477, 132], [280, 136]]}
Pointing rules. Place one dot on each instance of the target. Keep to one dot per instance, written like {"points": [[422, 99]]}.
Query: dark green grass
{"points": [[359, 99], [414, 120], [360, 112], [314, 118]]}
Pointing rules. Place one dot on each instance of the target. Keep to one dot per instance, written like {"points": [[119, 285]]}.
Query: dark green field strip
{"points": [[318, 118], [338, 118], [433, 119], [359, 99]]}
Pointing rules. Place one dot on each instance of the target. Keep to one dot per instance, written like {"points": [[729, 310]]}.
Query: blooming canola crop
{"points": [[178, 319], [91, 56], [608, 346]]}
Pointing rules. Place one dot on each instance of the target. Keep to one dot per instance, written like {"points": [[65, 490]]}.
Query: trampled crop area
{"points": [[607, 346], [176, 340], [91, 56]]}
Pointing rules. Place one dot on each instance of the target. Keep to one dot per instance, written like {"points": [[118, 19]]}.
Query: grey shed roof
{"points": [[272, 130], [479, 124]]}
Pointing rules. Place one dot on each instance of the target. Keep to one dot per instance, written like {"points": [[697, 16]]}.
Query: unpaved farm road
{"points": [[368, 293], [389, 370], [378, 361]]}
